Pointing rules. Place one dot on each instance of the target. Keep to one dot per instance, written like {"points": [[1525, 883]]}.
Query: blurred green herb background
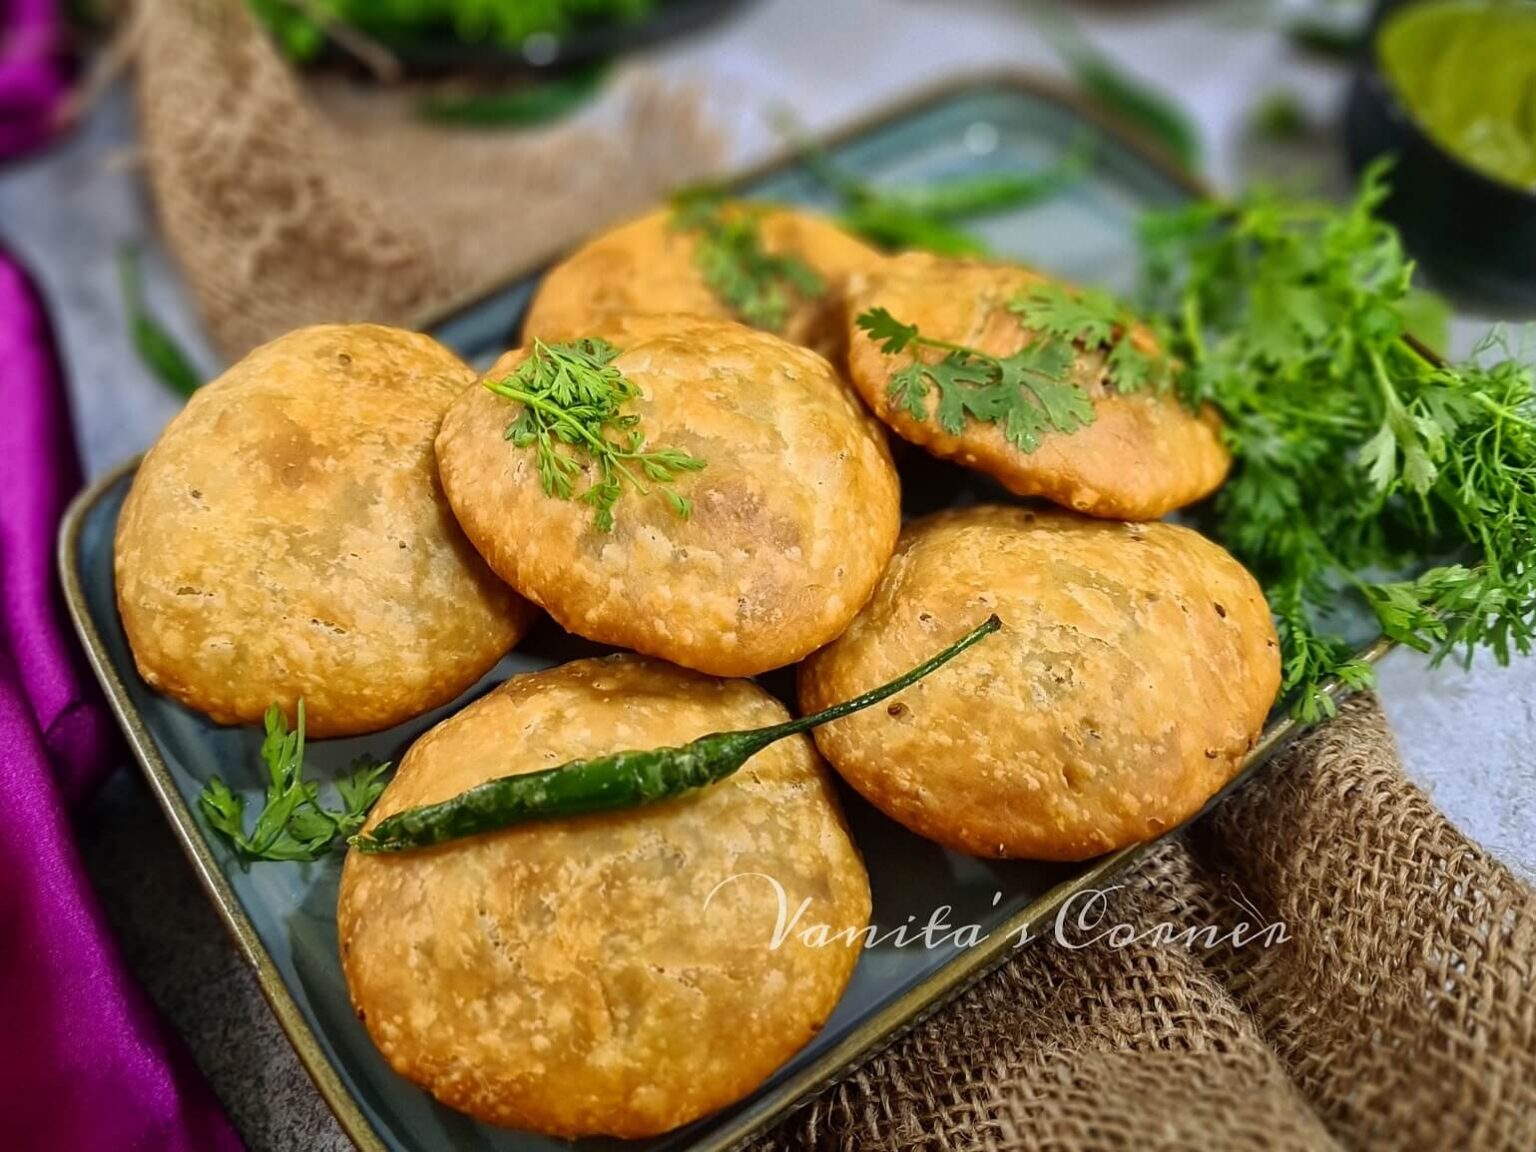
{"points": [[301, 26]]}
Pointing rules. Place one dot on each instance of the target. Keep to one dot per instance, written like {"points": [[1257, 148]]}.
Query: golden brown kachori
{"points": [[287, 537], [1143, 455], [613, 974], [1134, 671], [647, 267], [793, 517]]}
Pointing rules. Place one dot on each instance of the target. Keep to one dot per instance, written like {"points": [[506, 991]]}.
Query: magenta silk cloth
{"points": [[34, 73], [85, 1063]]}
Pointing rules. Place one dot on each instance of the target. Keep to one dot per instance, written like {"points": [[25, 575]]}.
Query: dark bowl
{"points": [[599, 40], [1473, 236]]}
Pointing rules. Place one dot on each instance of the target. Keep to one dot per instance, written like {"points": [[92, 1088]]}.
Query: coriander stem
{"points": [[502, 388], [613, 460], [1389, 395], [1508, 413], [946, 346], [298, 751], [976, 353]]}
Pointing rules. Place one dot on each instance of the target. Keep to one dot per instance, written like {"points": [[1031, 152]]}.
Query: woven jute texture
{"points": [[291, 202], [1399, 1013]]}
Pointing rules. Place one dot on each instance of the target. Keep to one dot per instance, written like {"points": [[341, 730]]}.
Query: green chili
{"points": [[620, 780], [928, 217], [965, 196], [529, 106], [924, 218], [1153, 114], [156, 347]]}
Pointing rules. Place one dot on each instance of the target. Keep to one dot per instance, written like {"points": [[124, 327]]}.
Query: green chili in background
{"points": [[1149, 111], [528, 106], [156, 347], [926, 217], [923, 218], [620, 780], [895, 227]]}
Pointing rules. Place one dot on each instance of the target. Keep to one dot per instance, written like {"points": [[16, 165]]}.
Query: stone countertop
{"points": [[1465, 737]]}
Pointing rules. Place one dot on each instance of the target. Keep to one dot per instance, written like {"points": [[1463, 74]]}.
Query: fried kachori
{"points": [[1135, 669], [652, 266], [793, 516], [1144, 453], [614, 974], [287, 537]]}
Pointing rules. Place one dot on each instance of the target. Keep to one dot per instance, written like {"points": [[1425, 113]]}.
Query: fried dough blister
{"points": [[350, 516]]}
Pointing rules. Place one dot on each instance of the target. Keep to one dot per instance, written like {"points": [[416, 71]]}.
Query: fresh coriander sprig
{"points": [[572, 396], [1028, 393], [760, 287], [293, 824], [1357, 456], [1093, 319], [1031, 392]]}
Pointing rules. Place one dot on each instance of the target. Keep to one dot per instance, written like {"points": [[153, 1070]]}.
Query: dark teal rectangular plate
{"points": [[283, 916]]}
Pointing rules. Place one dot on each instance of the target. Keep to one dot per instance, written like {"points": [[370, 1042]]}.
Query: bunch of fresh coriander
{"points": [[1365, 468]]}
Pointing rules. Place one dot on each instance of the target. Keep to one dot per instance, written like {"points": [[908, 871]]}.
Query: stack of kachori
{"points": [[350, 517]]}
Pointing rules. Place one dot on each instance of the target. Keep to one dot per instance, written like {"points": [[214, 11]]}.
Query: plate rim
{"points": [[1042, 87], [872, 1035]]}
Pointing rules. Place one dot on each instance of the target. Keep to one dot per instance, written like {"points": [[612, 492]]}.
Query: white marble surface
{"points": [[1466, 737]]}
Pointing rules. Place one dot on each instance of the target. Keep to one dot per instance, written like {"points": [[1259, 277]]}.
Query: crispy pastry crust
{"points": [[576, 977], [287, 537], [794, 514], [1135, 669]]}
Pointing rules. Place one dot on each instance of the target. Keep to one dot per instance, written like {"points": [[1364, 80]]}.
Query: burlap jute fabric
{"points": [[1399, 1014], [289, 202]]}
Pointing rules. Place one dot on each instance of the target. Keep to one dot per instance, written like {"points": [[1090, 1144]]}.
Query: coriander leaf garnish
{"points": [[1090, 318], [1356, 455], [1031, 392], [1087, 316], [758, 286], [572, 395], [292, 825], [1028, 393]]}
